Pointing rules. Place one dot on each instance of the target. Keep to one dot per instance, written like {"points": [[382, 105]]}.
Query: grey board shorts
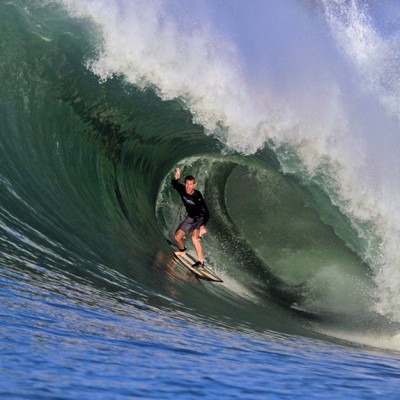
{"points": [[189, 224]]}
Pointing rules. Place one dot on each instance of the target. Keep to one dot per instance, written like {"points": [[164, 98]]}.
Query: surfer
{"points": [[196, 219]]}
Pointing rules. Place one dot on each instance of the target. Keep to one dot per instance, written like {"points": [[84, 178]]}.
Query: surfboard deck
{"points": [[202, 273]]}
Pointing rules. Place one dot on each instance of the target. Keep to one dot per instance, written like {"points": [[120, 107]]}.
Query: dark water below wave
{"points": [[94, 305]]}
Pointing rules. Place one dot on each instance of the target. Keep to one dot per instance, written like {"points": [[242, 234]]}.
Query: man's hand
{"points": [[177, 173]]}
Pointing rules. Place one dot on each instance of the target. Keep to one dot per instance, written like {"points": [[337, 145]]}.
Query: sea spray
{"points": [[372, 50]]}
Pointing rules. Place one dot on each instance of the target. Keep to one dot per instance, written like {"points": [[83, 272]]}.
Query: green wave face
{"points": [[85, 173]]}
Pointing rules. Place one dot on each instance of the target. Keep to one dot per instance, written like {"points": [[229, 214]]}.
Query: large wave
{"points": [[322, 92], [291, 129]]}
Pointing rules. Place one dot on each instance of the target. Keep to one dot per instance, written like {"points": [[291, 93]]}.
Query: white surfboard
{"points": [[202, 273]]}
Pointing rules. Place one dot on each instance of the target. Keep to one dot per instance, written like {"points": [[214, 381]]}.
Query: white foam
{"points": [[373, 53], [141, 42], [378, 341]]}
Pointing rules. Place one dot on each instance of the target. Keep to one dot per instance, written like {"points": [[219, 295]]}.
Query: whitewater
{"points": [[287, 114]]}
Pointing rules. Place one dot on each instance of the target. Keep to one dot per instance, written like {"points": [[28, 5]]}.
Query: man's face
{"points": [[190, 186]]}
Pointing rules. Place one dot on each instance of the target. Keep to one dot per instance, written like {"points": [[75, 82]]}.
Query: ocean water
{"points": [[287, 114]]}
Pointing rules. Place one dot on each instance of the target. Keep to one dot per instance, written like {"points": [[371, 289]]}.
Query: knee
{"points": [[178, 236], [195, 238]]}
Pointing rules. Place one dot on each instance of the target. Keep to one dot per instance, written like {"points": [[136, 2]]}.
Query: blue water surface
{"points": [[93, 345]]}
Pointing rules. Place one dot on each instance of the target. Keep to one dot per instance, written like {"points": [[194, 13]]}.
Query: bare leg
{"points": [[197, 245], [179, 235]]}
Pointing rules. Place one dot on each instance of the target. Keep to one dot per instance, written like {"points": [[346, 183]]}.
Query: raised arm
{"points": [[175, 181]]}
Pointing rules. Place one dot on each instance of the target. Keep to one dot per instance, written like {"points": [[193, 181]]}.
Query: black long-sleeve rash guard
{"points": [[194, 203]]}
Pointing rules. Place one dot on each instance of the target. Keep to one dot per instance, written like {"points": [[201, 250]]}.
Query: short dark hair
{"points": [[190, 178]]}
